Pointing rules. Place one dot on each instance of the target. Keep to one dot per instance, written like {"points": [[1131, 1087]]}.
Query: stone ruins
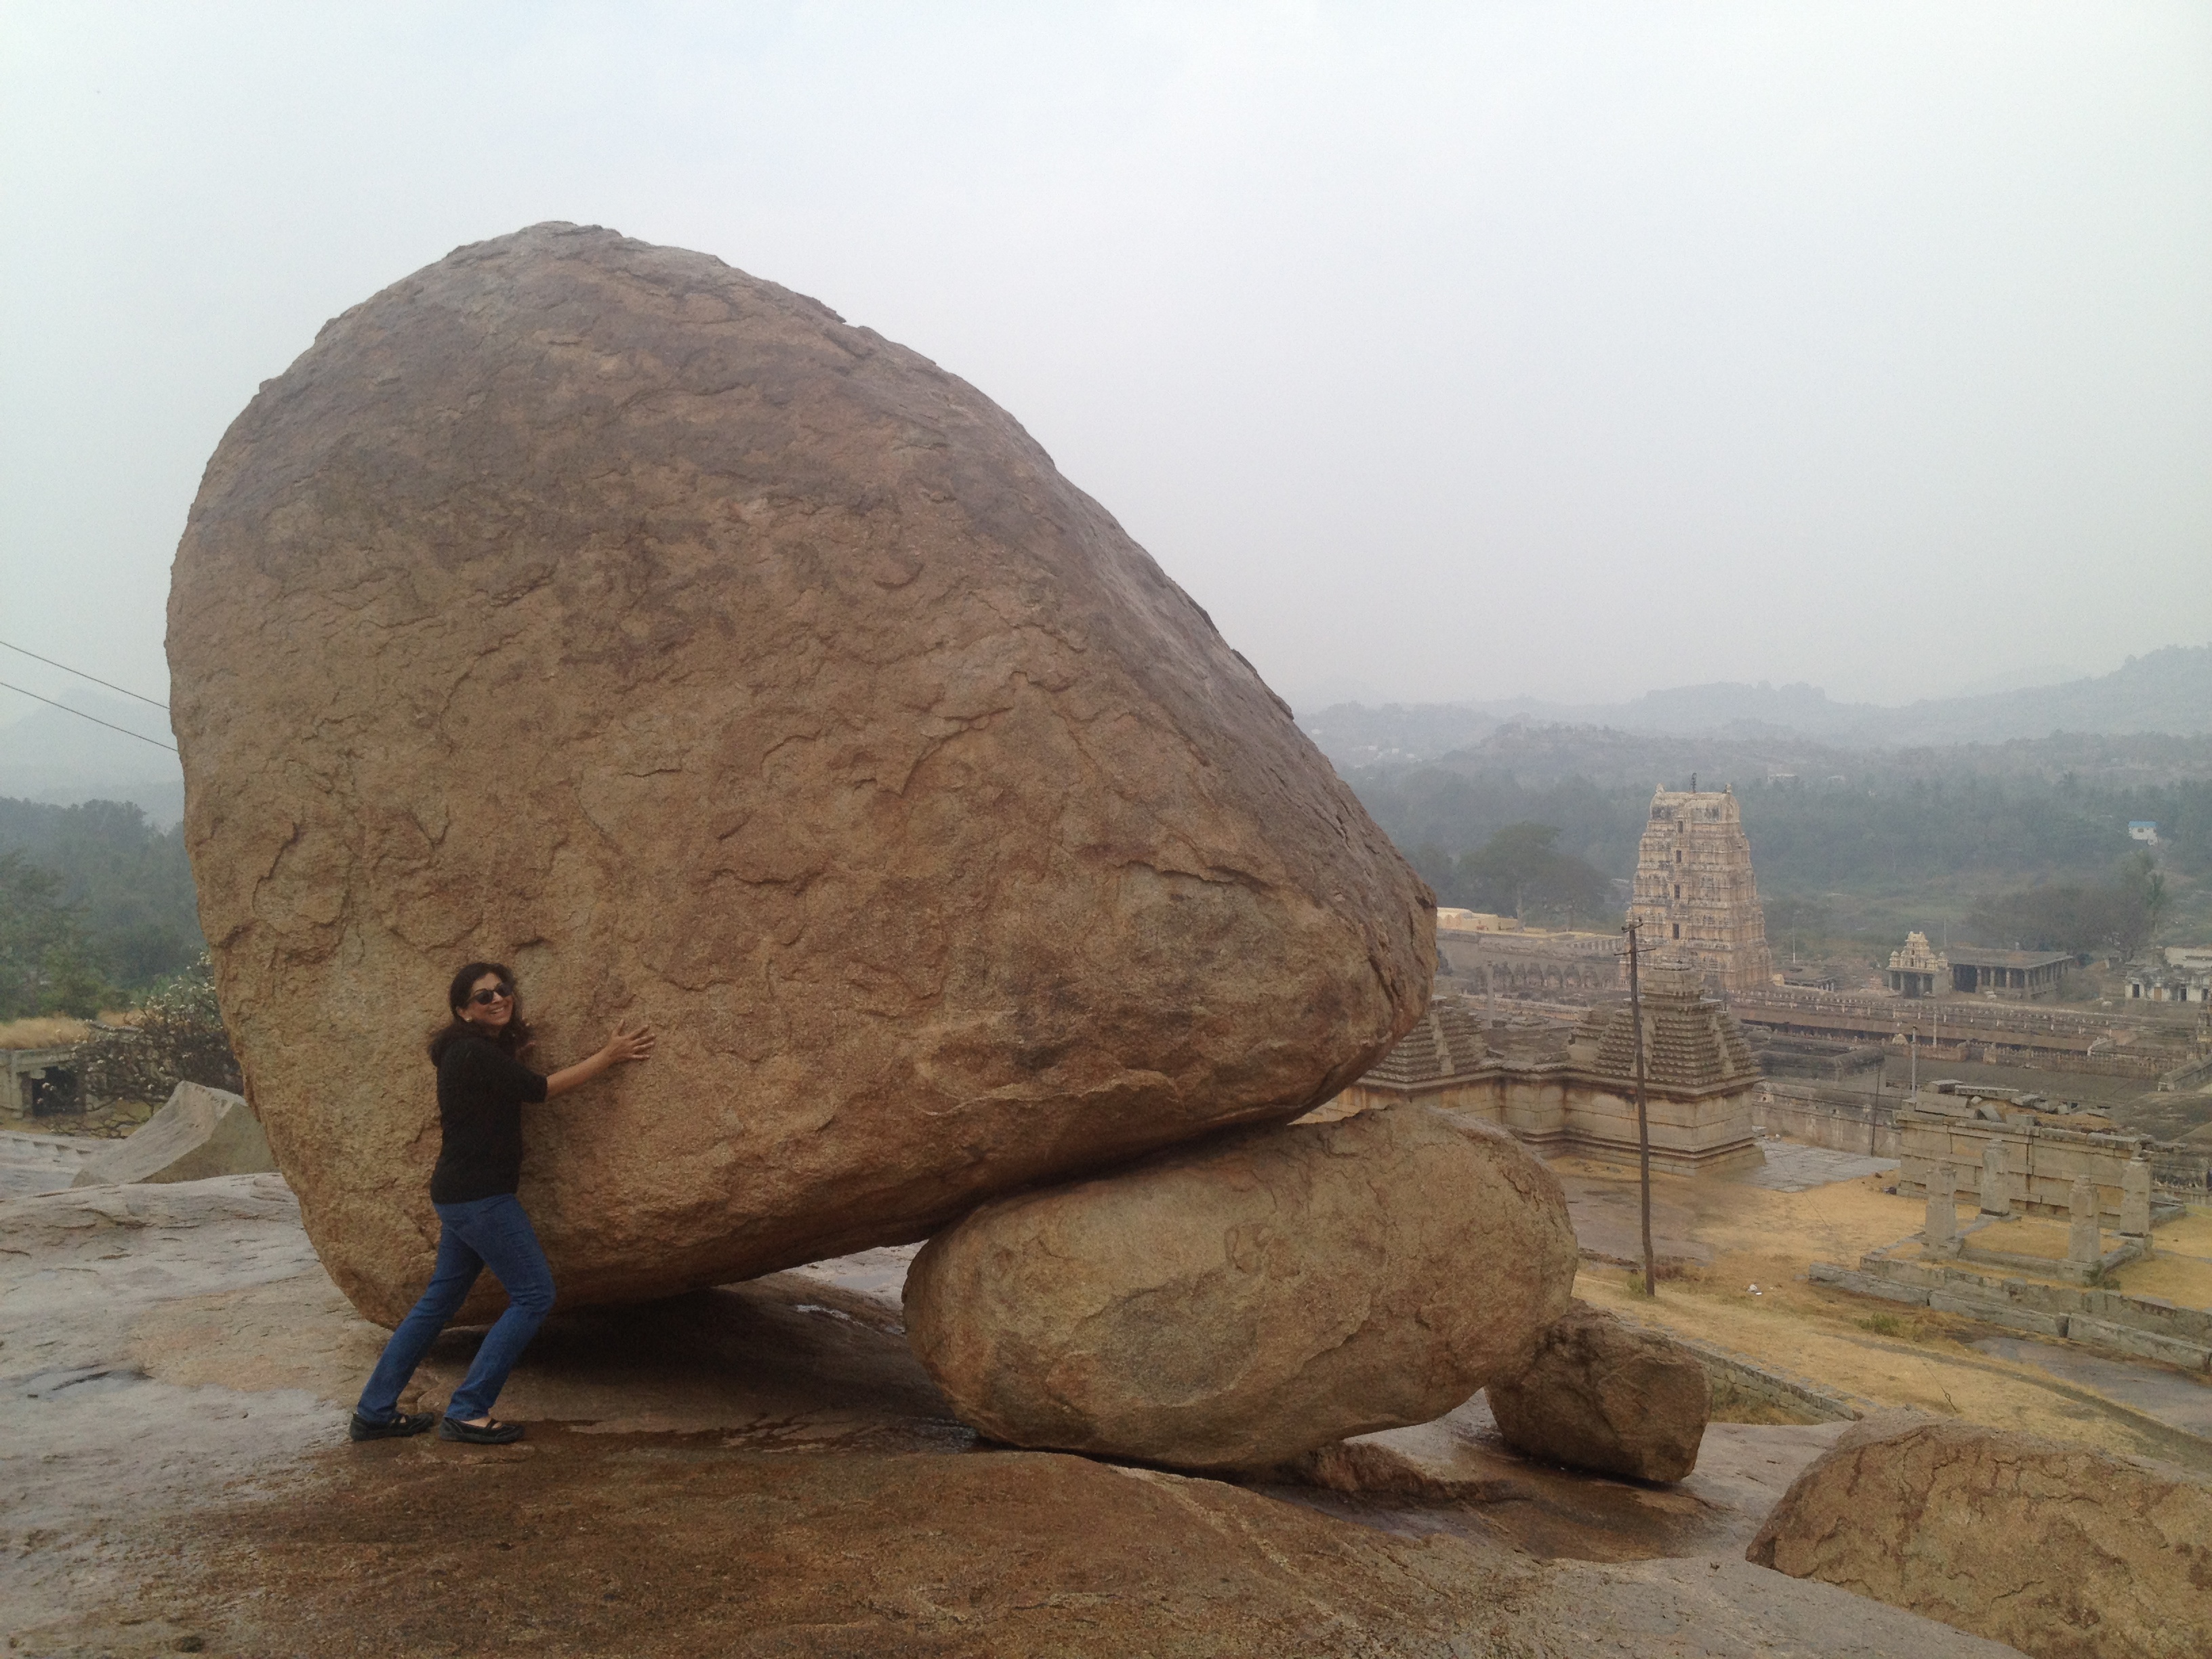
{"points": [[1694, 894], [1700, 1079]]}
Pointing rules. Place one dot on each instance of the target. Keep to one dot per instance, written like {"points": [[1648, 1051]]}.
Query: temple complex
{"points": [[1919, 969], [1700, 1079], [2017, 976], [1694, 893], [1534, 961]]}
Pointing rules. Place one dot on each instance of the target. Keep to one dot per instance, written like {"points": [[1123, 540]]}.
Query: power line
{"points": [[81, 675], [95, 719]]}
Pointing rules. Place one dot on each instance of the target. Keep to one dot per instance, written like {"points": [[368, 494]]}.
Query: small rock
{"points": [[201, 1133], [1607, 1396]]}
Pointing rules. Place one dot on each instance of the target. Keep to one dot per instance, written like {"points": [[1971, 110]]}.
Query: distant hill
{"points": [[49, 757], [2167, 691]]}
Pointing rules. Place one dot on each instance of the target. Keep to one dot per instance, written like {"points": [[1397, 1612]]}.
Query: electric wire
{"points": [[81, 715], [81, 675]]}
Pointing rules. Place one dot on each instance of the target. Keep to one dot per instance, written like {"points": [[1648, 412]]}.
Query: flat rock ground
{"points": [[761, 1469]]}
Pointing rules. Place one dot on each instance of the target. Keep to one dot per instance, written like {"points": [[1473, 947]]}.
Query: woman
{"points": [[482, 1086]]}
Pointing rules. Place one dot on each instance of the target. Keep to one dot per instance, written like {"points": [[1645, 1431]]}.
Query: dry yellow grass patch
{"points": [[1894, 1355], [2181, 1268], [42, 1033]]}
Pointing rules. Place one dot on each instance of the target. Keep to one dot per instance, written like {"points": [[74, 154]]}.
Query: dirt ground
{"points": [[1749, 1236]]}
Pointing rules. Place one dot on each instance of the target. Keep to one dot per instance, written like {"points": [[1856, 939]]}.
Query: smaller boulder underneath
{"points": [[201, 1133], [2058, 1550], [1236, 1304], [1606, 1396]]}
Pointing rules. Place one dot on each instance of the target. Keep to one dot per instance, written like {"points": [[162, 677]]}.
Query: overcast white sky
{"points": [[1454, 351]]}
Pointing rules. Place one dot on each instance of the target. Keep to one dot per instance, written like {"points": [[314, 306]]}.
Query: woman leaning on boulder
{"points": [[482, 1086]]}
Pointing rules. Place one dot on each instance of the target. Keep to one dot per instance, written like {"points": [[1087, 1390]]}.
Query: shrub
{"points": [[180, 1038]]}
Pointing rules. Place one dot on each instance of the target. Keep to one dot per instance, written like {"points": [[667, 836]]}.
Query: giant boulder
{"points": [[2064, 1551], [1237, 1304], [598, 607]]}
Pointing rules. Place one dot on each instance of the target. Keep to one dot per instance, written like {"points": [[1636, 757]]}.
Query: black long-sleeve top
{"points": [[481, 1093]]}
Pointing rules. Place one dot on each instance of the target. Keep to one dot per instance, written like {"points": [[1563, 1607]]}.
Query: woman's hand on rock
{"points": [[629, 1044]]}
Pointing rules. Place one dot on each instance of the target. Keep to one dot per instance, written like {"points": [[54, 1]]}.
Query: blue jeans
{"points": [[485, 1232]]}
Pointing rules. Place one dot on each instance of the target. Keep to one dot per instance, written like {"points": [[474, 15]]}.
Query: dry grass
{"points": [[1900, 1356], [2180, 1270], [42, 1033]]}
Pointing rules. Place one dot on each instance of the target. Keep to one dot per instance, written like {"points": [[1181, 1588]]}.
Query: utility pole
{"points": [[1873, 1107], [1643, 1113]]}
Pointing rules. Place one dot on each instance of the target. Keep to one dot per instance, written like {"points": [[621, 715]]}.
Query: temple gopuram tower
{"points": [[1695, 892]]}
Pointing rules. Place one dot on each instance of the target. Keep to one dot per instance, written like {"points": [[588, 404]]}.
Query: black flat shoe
{"points": [[488, 1434], [402, 1425]]}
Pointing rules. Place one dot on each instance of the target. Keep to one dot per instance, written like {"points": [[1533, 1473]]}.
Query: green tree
{"points": [[37, 929], [71, 984], [2143, 902], [1519, 872], [180, 1038]]}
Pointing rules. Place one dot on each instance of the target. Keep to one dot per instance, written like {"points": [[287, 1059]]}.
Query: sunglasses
{"points": [[485, 999]]}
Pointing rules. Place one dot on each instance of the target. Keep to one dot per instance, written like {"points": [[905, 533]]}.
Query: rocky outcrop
{"points": [[1604, 1395], [199, 1133], [598, 607], [2062, 1552], [1236, 1305]]}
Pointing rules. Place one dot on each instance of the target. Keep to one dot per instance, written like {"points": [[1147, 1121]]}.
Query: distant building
{"points": [[2172, 980], [2144, 829], [2015, 975], [1700, 1079], [1694, 893], [1919, 969], [1523, 961], [1475, 921]]}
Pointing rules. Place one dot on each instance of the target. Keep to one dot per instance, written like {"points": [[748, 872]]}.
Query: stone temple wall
{"points": [[1701, 1081]]}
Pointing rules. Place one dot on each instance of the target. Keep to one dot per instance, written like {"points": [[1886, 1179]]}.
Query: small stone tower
{"points": [[1694, 891]]}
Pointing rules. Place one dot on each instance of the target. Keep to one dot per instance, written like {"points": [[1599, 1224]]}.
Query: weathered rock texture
{"points": [[1604, 1395], [2061, 1551], [199, 1133], [1235, 1304], [598, 607]]}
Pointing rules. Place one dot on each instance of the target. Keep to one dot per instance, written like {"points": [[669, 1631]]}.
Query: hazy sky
{"points": [[1440, 352]]}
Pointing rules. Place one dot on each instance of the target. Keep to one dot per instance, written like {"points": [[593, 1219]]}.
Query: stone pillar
{"points": [[1939, 1235], [1997, 1184], [2135, 1199], [2083, 1246]]}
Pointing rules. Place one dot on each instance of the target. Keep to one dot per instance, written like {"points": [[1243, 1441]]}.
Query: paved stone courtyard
{"points": [[1791, 1168]]}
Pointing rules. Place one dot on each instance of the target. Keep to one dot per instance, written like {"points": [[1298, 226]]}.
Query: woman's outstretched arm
{"points": [[625, 1044]]}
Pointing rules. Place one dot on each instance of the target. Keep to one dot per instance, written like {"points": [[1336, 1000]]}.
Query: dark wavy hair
{"points": [[513, 1039]]}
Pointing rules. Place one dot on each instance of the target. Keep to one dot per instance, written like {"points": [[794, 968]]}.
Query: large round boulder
{"points": [[598, 608], [2064, 1551], [1237, 1304]]}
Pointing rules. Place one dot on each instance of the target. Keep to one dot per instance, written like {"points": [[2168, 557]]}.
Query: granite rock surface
{"points": [[600, 609], [2064, 1551], [1236, 1305]]}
